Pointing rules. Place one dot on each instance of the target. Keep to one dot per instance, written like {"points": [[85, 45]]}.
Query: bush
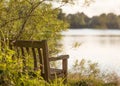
{"points": [[12, 74]]}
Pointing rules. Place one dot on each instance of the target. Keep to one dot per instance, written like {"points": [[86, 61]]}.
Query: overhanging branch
{"points": [[26, 19]]}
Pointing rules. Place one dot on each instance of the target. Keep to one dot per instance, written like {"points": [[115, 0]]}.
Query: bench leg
{"points": [[64, 63]]}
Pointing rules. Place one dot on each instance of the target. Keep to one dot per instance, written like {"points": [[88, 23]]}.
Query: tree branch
{"points": [[15, 19], [26, 19]]}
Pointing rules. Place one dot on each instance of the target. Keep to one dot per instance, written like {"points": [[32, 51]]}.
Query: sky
{"points": [[95, 8]]}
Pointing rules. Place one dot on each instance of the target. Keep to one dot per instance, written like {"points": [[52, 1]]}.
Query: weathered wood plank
{"points": [[61, 57], [35, 59], [27, 43]]}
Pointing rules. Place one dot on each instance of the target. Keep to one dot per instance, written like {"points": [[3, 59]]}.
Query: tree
{"points": [[78, 20], [61, 15], [32, 19], [94, 22], [112, 21]]}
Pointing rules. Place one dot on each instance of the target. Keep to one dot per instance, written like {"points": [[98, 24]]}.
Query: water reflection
{"points": [[102, 49]]}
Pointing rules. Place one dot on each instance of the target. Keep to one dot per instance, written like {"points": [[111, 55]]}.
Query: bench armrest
{"points": [[61, 57], [64, 63]]}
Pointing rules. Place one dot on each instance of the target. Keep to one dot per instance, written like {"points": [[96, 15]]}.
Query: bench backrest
{"points": [[39, 51]]}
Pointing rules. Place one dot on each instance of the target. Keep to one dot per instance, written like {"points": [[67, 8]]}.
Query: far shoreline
{"points": [[95, 28]]}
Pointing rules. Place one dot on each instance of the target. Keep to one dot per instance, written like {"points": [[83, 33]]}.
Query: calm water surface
{"points": [[101, 46]]}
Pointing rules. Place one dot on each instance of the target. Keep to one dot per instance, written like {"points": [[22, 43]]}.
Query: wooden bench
{"points": [[39, 51]]}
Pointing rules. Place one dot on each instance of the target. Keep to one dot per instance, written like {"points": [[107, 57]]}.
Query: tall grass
{"points": [[85, 73]]}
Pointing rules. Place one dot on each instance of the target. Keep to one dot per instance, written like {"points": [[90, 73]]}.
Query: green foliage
{"points": [[12, 74], [77, 20], [103, 21], [31, 20]]}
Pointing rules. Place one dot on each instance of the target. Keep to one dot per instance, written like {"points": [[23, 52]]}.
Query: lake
{"points": [[101, 46]]}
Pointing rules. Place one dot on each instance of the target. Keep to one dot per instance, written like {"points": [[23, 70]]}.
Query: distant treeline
{"points": [[80, 20]]}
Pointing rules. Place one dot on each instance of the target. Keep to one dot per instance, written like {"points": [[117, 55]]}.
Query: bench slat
{"points": [[35, 59]]}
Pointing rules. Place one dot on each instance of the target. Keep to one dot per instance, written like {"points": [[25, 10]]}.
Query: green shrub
{"points": [[12, 74]]}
